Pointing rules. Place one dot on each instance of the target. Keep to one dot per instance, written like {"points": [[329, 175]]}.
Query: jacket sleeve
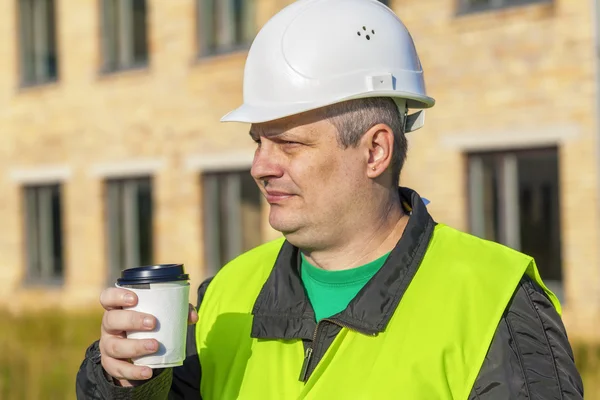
{"points": [[173, 383], [530, 356]]}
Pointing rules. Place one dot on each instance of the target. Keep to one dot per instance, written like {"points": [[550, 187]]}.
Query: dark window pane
{"points": [[114, 229], [206, 26], [144, 199], [539, 216], [238, 21], [51, 56], [32, 234], [26, 40], [479, 3], [251, 213], [57, 249], [492, 209], [140, 47], [109, 34], [224, 217], [211, 222]]}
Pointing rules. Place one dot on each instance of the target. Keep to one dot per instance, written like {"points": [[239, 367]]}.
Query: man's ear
{"points": [[379, 141]]}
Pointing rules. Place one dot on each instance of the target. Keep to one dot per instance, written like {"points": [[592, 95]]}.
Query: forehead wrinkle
{"points": [[271, 132], [264, 130], [311, 125]]}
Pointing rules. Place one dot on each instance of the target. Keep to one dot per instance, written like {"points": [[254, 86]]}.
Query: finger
{"points": [[124, 370], [116, 347], [192, 316], [112, 298], [117, 321]]}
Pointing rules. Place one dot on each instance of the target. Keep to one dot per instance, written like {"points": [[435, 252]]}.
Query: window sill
{"points": [[34, 86], [222, 54], [53, 284], [512, 5], [137, 69]]}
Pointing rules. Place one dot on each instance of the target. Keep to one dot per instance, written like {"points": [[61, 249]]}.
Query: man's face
{"points": [[310, 182]]}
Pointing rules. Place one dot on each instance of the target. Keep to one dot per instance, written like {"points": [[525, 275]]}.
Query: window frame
{"points": [[509, 224], [495, 5], [230, 181], [201, 49], [40, 78], [32, 231], [110, 39], [122, 225]]}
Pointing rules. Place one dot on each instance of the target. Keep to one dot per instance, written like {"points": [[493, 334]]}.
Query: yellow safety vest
{"points": [[432, 348]]}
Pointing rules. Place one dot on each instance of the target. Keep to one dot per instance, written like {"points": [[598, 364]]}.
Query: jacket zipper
{"points": [[309, 350]]}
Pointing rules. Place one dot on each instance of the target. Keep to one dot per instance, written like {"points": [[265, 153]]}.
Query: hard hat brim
{"points": [[254, 114]]}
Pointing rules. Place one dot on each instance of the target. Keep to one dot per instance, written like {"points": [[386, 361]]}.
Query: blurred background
{"points": [[112, 154]]}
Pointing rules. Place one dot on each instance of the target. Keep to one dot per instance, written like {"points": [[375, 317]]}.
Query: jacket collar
{"points": [[283, 311]]}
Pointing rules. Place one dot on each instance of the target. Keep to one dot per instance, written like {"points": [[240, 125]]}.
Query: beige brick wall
{"points": [[96, 124], [524, 75], [515, 77]]}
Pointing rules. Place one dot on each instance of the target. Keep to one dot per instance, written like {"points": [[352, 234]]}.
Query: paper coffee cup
{"points": [[163, 291]]}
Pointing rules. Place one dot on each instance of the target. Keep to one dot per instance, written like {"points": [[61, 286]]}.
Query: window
{"points": [[124, 34], [386, 2], [37, 41], [225, 25], [480, 5], [129, 224], [231, 215], [43, 234], [514, 200]]}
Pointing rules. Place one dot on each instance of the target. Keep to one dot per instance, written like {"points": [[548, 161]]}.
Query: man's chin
{"points": [[286, 227], [294, 233]]}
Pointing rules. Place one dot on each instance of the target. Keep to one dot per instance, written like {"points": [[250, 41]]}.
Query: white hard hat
{"points": [[315, 53]]}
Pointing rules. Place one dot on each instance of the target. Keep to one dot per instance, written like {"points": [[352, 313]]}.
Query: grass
{"points": [[40, 355], [587, 358]]}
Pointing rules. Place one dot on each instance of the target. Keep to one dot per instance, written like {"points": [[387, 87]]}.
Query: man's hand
{"points": [[116, 350]]}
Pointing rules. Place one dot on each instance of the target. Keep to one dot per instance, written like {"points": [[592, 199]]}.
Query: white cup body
{"points": [[168, 303]]}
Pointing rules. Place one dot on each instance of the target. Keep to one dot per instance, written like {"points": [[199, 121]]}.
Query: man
{"points": [[367, 297]]}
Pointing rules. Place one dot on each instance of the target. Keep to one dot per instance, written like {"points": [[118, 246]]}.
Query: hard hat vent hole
{"points": [[367, 36]]}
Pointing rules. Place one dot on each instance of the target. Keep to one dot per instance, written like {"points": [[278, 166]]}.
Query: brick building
{"points": [[112, 154]]}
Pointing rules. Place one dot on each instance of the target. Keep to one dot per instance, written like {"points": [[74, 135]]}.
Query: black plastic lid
{"points": [[153, 274]]}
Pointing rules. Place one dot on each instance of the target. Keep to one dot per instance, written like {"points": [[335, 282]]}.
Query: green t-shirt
{"points": [[330, 292]]}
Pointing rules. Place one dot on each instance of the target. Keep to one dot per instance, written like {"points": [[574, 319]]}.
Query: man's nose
{"points": [[266, 164]]}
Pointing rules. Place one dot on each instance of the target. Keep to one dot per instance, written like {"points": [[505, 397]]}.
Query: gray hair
{"points": [[354, 118]]}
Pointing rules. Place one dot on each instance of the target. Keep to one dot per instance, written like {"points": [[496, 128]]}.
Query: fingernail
{"points": [[129, 299], [148, 323], [147, 373], [150, 345]]}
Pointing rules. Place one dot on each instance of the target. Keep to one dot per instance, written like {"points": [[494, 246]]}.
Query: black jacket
{"points": [[529, 358]]}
